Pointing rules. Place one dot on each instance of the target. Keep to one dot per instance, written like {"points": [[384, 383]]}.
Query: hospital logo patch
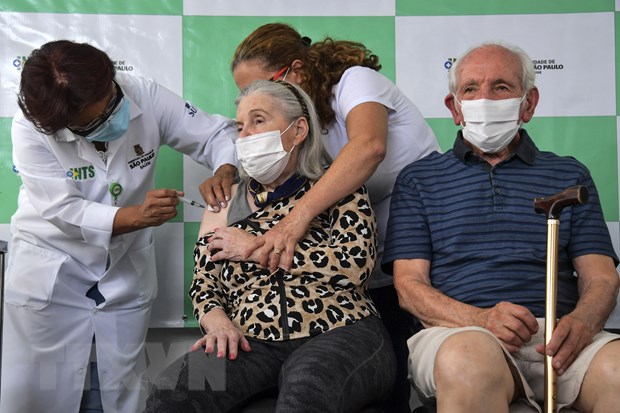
{"points": [[143, 159]]}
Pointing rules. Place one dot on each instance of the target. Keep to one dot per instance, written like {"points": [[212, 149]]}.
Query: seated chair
{"points": [[267, 404]]}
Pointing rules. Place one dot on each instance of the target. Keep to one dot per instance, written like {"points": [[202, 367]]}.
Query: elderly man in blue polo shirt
{"points": [[468, 254]]}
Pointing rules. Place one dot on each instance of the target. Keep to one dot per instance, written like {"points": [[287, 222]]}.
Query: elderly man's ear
{"points": [[531, 101], [450, 103]]}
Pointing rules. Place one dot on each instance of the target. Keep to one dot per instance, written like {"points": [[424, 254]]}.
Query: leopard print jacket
{"points": [[325, 289]]}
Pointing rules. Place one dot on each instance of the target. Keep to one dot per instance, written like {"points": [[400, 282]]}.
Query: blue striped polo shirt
{"points": [[477, 225]]}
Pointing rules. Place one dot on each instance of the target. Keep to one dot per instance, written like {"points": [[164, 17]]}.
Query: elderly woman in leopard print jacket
{"points": [[310, 333]]}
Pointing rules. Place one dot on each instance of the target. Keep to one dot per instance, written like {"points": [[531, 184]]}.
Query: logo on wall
{"points": [[18, 62], [122, 66], [448, 64], [541, 65]]}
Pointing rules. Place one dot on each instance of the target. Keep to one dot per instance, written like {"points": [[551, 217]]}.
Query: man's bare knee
{"points": [[599, 391], [471, 358]]}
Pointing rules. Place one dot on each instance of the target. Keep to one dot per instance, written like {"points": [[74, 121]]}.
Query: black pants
{"points": [[342, 370], [401, 325]]}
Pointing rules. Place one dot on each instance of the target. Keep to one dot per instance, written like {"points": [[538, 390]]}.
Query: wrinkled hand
{"points": [[227, 338], [279, 244], [158, 207], [570, 336], [216, 190], [233, 244], [512, 324]]}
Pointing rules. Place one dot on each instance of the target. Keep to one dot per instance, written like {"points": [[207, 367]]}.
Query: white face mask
{"points": [[262, 156], [491, 124]]}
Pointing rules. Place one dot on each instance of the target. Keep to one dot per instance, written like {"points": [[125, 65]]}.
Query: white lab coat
{"points": [[62, 245]]}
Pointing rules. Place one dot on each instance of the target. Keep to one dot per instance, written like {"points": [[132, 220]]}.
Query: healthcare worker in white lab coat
{"points": [[81, 261]]}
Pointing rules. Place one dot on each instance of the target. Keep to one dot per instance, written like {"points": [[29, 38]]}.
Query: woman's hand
{"points": [[278, 244], [216, 190], [221, 332], [159, 206], [233, 244]]}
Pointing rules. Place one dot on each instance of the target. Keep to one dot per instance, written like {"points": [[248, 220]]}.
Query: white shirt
{"points": [[409, 139]]}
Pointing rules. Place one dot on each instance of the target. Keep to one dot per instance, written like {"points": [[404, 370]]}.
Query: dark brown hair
{"points": [[59, 80], [277, 45]]}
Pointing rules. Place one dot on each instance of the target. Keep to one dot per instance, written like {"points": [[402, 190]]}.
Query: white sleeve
{"points": [[206, 138], [361, 84]]}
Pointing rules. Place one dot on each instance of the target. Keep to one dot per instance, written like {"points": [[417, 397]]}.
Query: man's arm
{"points": [[598, 291], [511, 323]]}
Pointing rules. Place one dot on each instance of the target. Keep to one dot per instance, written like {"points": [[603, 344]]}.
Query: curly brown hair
{"points": [[277, 45]]}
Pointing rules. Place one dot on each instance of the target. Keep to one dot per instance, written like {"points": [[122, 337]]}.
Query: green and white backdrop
{"points": [[187, 45]]}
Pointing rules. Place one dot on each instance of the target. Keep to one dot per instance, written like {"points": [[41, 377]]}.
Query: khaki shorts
{"points": [[529, 364]]}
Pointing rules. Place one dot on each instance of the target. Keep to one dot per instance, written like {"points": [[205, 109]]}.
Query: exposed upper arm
{"points": [[212, 220]]}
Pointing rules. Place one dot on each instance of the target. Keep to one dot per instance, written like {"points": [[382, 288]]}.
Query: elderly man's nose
{"points": [[485, 93]]}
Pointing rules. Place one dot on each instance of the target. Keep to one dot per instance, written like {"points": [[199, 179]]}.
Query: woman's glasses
{"points": [[284, 71], [100, 120]]}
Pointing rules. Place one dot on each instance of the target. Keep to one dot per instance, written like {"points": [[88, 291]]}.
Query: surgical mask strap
{"points": [[286, 73], [287, 128]]}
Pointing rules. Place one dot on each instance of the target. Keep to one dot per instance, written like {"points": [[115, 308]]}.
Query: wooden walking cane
{"points": [[552, 206]]}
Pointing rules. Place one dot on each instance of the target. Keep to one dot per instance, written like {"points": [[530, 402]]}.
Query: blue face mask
{"points": [[113, 128]]}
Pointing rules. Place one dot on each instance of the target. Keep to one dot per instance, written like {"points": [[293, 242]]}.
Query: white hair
{"points": [[295, 103], [528, 73]]}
